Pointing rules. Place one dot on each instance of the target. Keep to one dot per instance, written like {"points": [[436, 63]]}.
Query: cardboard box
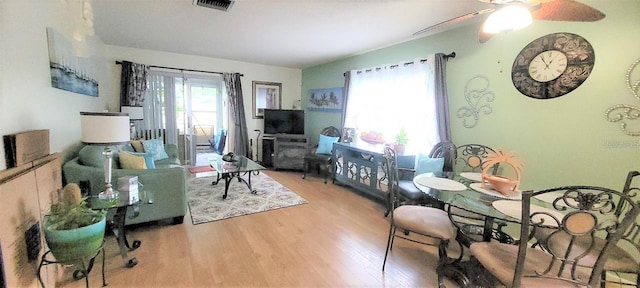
{"points": [[24, 147]]}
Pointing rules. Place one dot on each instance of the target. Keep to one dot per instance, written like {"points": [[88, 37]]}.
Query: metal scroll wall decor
{"points": [[479, 97], [623, 112]]}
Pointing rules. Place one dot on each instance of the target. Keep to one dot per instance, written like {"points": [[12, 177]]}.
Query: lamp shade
{"points": [[104, 128], [135, 113]]}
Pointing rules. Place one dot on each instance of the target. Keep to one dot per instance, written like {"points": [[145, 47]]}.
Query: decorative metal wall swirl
{"points": [[623, 112], [478, 96]]}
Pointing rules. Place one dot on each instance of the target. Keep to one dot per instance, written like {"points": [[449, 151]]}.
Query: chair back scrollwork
{"points": [[469, 158], [578, 215]]}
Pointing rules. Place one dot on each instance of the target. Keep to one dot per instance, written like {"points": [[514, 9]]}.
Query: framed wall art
{"points": [[266, 95], [70, 72], [326, 100]]}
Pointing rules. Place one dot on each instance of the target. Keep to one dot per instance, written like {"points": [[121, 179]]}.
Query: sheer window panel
{"points": [[394, 97]]}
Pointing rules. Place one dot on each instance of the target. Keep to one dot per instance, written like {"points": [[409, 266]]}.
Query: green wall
{"points": [[561, 141]]}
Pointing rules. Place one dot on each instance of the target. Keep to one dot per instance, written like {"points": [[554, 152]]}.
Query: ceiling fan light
{"points": [[507, 18]]}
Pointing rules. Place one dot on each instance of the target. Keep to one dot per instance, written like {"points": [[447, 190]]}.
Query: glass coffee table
{"points": [[240, 167]]}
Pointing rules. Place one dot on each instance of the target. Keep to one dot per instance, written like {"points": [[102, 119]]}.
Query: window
{"points": [[387, 99]]}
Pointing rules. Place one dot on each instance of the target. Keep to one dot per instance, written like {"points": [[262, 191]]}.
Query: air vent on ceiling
{"points": [[224, 5]]}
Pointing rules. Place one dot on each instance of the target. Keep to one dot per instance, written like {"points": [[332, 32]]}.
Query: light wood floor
{"points": [[337, 240]]}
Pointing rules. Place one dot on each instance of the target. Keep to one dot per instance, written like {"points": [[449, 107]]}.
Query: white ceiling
{"points": [[287, 33]]}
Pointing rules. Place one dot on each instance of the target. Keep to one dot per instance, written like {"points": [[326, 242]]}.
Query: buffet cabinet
{"points": [[360, 166]]}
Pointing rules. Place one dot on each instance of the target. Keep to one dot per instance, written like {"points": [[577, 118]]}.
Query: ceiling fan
{"points": [[553, 10]]}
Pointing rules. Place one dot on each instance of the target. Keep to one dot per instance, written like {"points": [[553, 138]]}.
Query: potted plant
{"points": [[72, 230], [401, 141]]}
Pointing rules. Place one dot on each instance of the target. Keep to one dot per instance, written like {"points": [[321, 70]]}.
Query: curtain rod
{"points": [[446, 57], [181, 69]]}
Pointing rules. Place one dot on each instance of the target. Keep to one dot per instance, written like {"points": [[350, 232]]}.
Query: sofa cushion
{"points": [[130, 161], [91, 155], [156, 148]]}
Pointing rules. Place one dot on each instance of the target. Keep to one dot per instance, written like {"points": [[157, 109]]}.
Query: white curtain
{"points": [[386, 99], [160, 106]]}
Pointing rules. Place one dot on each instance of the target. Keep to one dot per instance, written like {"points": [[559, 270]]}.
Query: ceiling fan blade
{"points": [[455, 20], [567, 10]]}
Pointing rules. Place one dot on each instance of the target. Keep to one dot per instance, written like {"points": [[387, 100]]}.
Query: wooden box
{"points": [[24, 147]]}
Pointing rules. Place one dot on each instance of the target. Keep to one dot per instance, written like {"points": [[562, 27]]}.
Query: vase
{"points": [[69, 246]]}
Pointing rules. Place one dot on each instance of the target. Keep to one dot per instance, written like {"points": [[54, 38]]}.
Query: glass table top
{"points": [[472, 200], [241, 164], [121, 201]]}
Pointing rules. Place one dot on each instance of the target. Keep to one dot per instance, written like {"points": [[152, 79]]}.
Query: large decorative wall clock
{"points": [[552, 65]]}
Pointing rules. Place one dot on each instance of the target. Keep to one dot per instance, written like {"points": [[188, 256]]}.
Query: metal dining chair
{"points": [[408, 192], [577, 215], [624, 257], [425, 221], [469, 158]]}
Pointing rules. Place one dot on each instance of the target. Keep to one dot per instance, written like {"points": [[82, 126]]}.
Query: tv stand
{"points": [[285, 151]]}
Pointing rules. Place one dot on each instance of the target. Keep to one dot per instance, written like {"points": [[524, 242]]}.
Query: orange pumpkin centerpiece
{"points": [[502, 184]]}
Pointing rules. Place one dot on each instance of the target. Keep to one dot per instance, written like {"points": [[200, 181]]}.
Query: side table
{"points": [[119, 209]]}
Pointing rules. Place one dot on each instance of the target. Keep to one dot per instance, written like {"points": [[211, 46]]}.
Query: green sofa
{"points": [[167, 181]]}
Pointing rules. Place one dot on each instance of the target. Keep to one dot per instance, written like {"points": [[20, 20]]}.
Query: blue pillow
{"points": [[325, 144], [425, 164], [148, 159], [156, 148]]}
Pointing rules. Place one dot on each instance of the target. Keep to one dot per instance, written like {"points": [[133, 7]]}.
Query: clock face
{"points": [[552, 65], [547, 65]]}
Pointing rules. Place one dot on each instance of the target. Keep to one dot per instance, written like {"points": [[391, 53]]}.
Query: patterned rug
{"points": [[206, 204]]}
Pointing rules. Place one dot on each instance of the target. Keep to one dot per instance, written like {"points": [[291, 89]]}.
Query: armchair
{"points": [[319, 156]]}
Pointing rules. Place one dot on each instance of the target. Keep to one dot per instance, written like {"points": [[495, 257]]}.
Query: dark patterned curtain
{"points": [[133, 83], [347, 79], [442, 102], [234, 90]]}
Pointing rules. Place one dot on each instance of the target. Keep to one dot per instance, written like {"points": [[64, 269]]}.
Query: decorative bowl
{"points": [[229, 157], [501, 184]]}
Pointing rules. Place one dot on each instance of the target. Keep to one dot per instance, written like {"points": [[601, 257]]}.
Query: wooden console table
{"points": [[360, 165]]}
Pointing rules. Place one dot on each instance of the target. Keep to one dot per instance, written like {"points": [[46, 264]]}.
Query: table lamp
{"points": [[105, 128], [135, 114]]}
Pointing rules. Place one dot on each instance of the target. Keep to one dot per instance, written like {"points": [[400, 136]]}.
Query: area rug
{"points": [[206, 204], [199, 169]]}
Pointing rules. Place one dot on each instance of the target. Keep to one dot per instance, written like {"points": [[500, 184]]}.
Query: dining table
{"points": [[466, 192]]}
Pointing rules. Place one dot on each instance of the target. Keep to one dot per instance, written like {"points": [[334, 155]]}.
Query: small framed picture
{"points": [[266, 95]]}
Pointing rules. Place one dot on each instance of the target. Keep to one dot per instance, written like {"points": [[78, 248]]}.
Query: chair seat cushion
{"points": [[619, 259], [500, 259], [409, 190], [427, 221]]}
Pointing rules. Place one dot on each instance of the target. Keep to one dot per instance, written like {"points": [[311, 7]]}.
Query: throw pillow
{"points": [[130, 161], [325, 144], [148, 159], [137, 145], [425, 164], [156, 148]]}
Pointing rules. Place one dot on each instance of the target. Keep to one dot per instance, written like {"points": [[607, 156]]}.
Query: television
{"points": [[279, 121]]}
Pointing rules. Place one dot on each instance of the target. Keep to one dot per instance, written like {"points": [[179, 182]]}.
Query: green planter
{"points": [[69, 246]]}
